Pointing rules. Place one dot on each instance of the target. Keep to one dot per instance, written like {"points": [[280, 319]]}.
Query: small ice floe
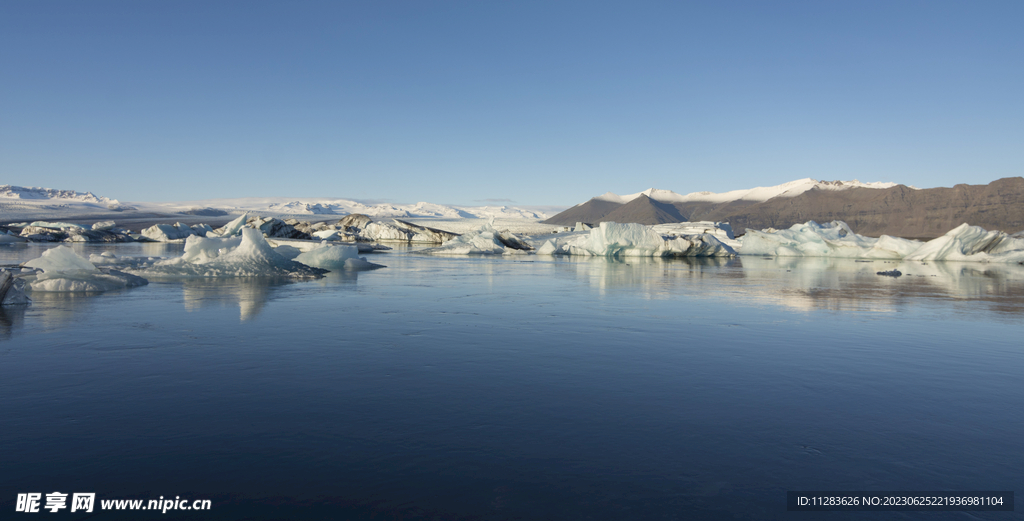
{"points": [[62, 270], [891, 273]]}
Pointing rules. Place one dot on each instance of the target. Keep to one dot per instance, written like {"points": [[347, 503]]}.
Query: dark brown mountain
{"points": [[898, 211], [645, 210], [591, 211]]}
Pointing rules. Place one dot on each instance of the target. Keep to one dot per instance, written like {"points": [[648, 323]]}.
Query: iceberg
{"points": [[232, 228], [62, 270], [335, 257], [972, 243], [483, 240], [836, 239], [248, 255], [174, 232], [12, 291], [56, 226], [638, 240]]}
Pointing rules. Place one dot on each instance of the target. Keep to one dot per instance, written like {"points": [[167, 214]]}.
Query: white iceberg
{"points": [[484, 240], [174, 232], [836, 239], [971, 243], [638, 240], [335, 257], [230, 229], [62, 270], [246, 256]]}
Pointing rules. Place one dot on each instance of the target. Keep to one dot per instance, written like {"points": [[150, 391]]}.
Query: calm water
{"points": [[520, 388]]}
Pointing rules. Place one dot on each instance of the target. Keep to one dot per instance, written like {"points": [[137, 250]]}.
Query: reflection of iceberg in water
{"points": [[808, 283], [11, 319], [251, 294], [846, 284], [654, 277]]}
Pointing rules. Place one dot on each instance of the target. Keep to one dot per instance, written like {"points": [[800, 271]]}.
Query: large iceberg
{"points": [[638, 240], [836, 239], [60, 269], [248, 255]]}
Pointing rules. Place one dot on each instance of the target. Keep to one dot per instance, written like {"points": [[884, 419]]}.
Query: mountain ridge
{"points": [[870, 209]]}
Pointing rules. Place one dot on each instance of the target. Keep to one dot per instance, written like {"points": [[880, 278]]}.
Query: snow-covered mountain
{"points": [[323, 206], [27, 203], [36, 193], [758, 194]]}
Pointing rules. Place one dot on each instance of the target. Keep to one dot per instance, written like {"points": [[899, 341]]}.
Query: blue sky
{"points": [[543, 103]]}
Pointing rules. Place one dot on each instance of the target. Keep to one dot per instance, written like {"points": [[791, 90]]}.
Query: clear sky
{"points": [[545, 103]]}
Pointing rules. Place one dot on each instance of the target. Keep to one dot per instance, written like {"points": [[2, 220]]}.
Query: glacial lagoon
{"points": [[519, 387]]}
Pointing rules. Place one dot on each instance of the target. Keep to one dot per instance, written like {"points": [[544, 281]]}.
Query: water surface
{"points": [[520, 388]]}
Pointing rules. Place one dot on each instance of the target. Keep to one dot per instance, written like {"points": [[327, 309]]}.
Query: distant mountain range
{"points": [[29, 203], [869, 208]]}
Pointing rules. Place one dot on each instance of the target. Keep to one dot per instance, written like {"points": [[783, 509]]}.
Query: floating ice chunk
{"points": [[176, 231], [103, 226], [379, 231], [74, 282], [60, 259], [232, 228], [483, 240], [199, 250], [245, 256], [326, 235], [335, 257], [65, 271], [548, 248], [286, 251]]}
